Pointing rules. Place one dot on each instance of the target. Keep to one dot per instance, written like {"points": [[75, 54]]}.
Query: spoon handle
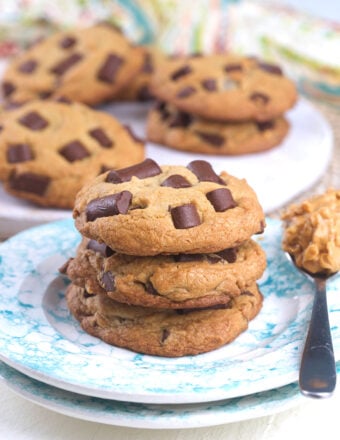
{"points": [[317, 369]]}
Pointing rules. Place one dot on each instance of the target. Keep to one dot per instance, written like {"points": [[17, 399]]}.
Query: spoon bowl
{"points": [[317, 376]]}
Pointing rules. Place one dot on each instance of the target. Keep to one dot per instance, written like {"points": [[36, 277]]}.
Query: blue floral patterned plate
{"points": [[39, 338]]}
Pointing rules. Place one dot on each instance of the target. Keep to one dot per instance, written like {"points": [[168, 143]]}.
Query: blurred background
{"points": [[301, 35]]}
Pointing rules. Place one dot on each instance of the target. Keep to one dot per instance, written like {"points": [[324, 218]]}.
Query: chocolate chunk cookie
{"points": [[224, 87], [86, 65], [167, 281], [183, 131], [164, 332], [146, 209], [49, 150]]}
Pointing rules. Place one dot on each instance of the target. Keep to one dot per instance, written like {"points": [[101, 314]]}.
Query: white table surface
{"points": [[312, 419]]}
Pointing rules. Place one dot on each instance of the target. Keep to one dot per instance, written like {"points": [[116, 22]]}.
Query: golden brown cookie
{"points": [[167, 281], [163, 332], [148, 210], [86, 65], [312, 232], [49, 150], [224, 87], [183, 131]]}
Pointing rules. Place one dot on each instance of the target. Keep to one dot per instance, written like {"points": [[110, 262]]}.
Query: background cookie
{"points": [[87, 65], [183, 131], [224, 87], [176, 281], [148, 210], [48, 150], [167, 332]]}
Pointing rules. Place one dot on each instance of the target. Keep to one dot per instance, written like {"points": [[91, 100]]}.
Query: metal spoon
{"points": [[317, 377]]}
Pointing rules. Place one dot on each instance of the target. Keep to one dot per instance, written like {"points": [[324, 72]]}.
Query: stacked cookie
{"points": [[220, 104], [166, 265]]}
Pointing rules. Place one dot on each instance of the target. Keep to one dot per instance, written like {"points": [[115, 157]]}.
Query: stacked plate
{"points": [[47, 358]]}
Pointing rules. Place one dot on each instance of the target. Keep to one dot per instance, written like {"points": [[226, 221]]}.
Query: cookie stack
{"points": [[220, 104], [166, 265]]}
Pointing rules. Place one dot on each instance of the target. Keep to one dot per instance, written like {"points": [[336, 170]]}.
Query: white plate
{"points": [[39, 337], [277, 175], [151, 416]]}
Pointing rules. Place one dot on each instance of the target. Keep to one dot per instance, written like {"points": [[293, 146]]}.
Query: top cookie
{"points": [[148, 210], [224, 87], [86, 65]]}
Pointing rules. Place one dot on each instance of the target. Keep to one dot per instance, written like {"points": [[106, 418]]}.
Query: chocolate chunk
{"points": [[229, 254], [17, 153], [209, 84], [147, 168], [162, 109], [183, 71], [109, 205], [271, 68], [221, 199], [132, 134], [259, 97], [73, 151], [66, 64], [213, 139], [7, 88], [33, 121], [101, 248], [109, 69], [28, 66], [204, 172], [147, 66], [265, 125], [180, 119], [165, 335], [101, 137], [67, 42], [144, 94], [45, 94], [185, 258], [29, 182], [150, 289], [185, 92], [233, 68], [108, 281], [176, 181], [185, 216]]}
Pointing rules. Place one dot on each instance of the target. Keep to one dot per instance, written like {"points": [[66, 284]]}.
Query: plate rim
{"points": [[159, 417]]}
